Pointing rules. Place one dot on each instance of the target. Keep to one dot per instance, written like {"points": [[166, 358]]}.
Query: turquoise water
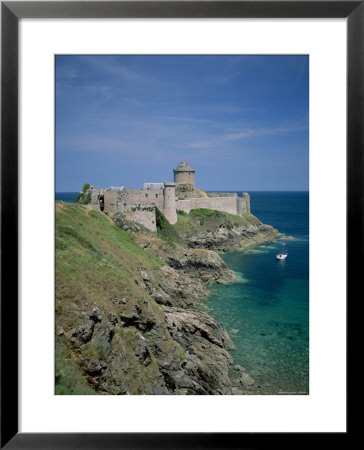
{"points": [[266, 312]]}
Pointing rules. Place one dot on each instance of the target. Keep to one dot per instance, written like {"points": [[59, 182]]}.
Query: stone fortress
{"points": [[139, 204]]}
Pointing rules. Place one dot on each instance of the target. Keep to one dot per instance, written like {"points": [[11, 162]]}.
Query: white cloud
{"points": [[243, 134]]}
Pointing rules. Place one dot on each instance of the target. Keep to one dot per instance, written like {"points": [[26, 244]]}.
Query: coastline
{"points": [[179, 349]]}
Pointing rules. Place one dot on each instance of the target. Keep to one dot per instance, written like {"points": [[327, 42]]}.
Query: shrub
{"points": [[203, 212], [164, 229], [84, 197]]}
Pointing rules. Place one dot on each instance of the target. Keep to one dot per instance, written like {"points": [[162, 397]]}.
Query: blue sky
{"points": [[240, 121]]}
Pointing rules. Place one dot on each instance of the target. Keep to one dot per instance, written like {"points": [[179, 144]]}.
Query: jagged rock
{"points": [[236, 391], [119, 301], [95, 315], [144, 275], [205, 345], [192, 321], [131, 317], [94, 367], [162, 298], [224, 240], [246, 380], [83, 333]]}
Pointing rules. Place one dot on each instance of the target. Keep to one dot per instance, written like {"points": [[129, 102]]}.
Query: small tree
{"points": [[84, 197]]}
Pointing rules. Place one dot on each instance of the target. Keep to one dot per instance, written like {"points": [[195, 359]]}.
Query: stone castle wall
{"points": [[139, 205], [145, 196], [95, 195], [119, 201], [111, 201], [141, 213], [222, 194]]}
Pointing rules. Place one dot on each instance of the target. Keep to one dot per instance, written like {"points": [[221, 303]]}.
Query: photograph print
{"points": [[182, 225]]}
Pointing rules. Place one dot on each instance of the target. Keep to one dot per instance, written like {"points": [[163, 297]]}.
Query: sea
{"points": [[69, 197], [266, 312]]}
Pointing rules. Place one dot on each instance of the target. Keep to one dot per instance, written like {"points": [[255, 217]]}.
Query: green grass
{"points": [[95, 263], [165, 230], [69, 379], [202, 220], [94, 258], [181, 213], [203, 212], [83, 197]]}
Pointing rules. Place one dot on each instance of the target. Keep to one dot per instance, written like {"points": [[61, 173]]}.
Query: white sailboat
{"points": [[283, 254]]}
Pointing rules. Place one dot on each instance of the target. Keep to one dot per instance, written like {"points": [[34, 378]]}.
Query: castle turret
{"points": [[169, 202], [239, 206], [184, 176], [246, 201]]}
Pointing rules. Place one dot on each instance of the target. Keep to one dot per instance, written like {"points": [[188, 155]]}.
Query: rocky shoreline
{"points": [[158, 342], [239, 238]]}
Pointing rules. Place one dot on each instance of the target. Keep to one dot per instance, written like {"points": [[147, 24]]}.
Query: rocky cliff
{"points": [[222, 232], [126, 321]]}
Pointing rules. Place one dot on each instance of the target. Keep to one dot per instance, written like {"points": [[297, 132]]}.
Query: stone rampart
{"points": [[145, 196], [110, 201], [222, 194], [141, 213]]}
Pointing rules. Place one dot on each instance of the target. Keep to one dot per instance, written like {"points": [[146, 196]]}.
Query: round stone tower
{"points": [[184, 175], [169, 202]]}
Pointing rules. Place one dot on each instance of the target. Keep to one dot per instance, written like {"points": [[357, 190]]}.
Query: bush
{"points": [[164, 229], [203, 212], [181, 213], [84, 197]]}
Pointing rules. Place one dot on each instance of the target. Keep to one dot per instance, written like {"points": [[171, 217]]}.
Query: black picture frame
{"points": [[11, 12]]}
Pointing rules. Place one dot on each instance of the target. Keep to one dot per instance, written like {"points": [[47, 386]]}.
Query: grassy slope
{"points": [[199, 220], [95, 261], [88, 245]]}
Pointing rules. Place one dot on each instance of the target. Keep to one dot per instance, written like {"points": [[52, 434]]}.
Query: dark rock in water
{"points": [[246, 380]]}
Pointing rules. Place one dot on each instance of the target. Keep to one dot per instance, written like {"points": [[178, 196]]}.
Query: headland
{"points": [[131, 267]]}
